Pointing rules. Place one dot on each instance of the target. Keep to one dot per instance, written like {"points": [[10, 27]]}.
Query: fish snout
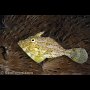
{"points": [[20, 43]]}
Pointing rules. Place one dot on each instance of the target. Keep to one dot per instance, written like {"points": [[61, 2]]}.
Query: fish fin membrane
{"points": [[78, 55]]}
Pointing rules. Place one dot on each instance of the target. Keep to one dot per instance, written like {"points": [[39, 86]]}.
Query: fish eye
{"points": [[32, 40]]}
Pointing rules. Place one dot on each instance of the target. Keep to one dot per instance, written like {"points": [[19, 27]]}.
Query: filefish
{"points": [[39, 48]]}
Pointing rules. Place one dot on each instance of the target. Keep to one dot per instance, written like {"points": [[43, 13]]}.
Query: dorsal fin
{"points": [[39, 34]]}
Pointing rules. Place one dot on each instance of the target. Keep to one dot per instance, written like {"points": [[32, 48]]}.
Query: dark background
{"points": [[1, 20]]}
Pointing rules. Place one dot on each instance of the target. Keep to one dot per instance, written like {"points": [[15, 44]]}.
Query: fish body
{"points": [[39, 48]]}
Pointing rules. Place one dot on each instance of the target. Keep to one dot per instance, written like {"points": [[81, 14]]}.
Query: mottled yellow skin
{"points": [[39, 48]]}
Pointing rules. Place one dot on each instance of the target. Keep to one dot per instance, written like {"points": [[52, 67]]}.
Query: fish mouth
{"points": [[20, 43]]}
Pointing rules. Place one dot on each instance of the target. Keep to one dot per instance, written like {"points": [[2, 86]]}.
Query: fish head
{"points": [[32, 46]]}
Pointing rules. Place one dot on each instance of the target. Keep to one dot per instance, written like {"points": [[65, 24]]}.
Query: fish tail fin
{"points": [[78, 55]]}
